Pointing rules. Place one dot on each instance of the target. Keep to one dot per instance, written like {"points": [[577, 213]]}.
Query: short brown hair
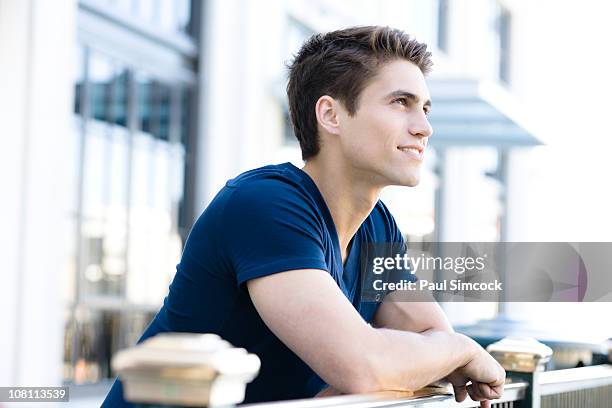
{"points": [[340, 64]]}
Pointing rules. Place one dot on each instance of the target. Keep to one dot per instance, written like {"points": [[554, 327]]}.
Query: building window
{"points": [[442, 25], [133, 121], [94, 335], [132, 181], [504, 31], [169, 16], [131, 126], [153, 107]]}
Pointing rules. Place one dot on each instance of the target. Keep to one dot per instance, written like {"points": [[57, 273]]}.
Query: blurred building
{"points": [[100, 96], [125, 117]]}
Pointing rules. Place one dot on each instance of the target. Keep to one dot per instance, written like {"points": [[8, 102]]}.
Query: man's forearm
{"points": [[416, 317], [410, 361]]}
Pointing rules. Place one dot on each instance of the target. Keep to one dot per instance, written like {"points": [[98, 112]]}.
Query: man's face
{"points": [[391, 117]]}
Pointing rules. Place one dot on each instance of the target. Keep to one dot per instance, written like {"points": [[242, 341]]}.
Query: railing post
{"points": [[185, 369], [523, 359]]}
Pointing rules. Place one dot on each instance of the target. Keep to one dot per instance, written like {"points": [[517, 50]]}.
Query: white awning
{"points": [[468, 112]]}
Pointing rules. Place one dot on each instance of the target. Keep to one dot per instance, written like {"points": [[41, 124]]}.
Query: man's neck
{"points": [[350, 198]]}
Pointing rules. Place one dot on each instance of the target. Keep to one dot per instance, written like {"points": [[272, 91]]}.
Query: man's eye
{"points": [[402, 101]]}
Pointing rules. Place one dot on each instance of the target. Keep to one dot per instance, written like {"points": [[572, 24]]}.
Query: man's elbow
{"points": [[376, 370], [371, 370], [362, 382], [363, 370], [374, 376], [386, 381]]}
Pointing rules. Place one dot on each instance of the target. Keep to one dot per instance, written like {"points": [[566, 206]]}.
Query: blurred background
{"points": [[121, 119]]}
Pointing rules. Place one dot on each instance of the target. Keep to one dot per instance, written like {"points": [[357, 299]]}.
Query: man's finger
{"points": [[487, 391], [499, 389], [485, 404], [460, 392], [500, 381], [474, 393]]}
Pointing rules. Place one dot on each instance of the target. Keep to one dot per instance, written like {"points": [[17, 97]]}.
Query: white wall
{"points": [[36, 46]]}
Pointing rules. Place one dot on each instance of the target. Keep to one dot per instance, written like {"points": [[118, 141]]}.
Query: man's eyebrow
{"points": [[408, 95]]}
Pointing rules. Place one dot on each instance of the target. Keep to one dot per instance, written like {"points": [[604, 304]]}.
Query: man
{"points": [[272, 265]]}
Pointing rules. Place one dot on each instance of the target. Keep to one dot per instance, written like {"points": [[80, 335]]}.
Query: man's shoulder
{"points": [[268, 184], [273, 175], [269, 192]]}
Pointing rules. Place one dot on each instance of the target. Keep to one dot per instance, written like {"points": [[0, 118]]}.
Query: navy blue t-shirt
{"points": [[268, 220]]}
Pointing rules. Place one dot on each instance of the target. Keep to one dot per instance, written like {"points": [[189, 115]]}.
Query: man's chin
{"points": [[410, 176], [411, 183], [407, 180]]}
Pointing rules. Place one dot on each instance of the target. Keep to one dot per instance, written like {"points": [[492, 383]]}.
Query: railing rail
{"points": [[527, 386], [428, 398], [574, 379]]}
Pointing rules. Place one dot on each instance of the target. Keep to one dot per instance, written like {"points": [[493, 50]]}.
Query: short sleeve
{"points": [[270, 226]]}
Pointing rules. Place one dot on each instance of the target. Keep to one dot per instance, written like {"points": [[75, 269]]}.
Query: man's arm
{"points": [[396, 313], [423, 316], [309, 313]]}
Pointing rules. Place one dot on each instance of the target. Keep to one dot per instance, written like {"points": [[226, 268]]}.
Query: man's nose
{"points": [[421, 127]]}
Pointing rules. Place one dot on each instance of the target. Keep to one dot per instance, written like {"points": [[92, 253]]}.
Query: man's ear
{"points": [[327, 113]]}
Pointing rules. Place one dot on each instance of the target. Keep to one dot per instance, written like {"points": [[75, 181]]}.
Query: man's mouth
{"points": [[414, 151]]}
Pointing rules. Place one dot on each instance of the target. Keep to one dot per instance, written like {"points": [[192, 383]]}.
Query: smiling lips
{"points": [[413, 151]]}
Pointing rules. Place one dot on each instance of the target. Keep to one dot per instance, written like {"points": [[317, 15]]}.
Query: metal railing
{"points": [[432, 399], [527, 386]]}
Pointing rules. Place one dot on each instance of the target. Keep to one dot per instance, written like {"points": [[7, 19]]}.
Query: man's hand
{"points": [[487, 379]]}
